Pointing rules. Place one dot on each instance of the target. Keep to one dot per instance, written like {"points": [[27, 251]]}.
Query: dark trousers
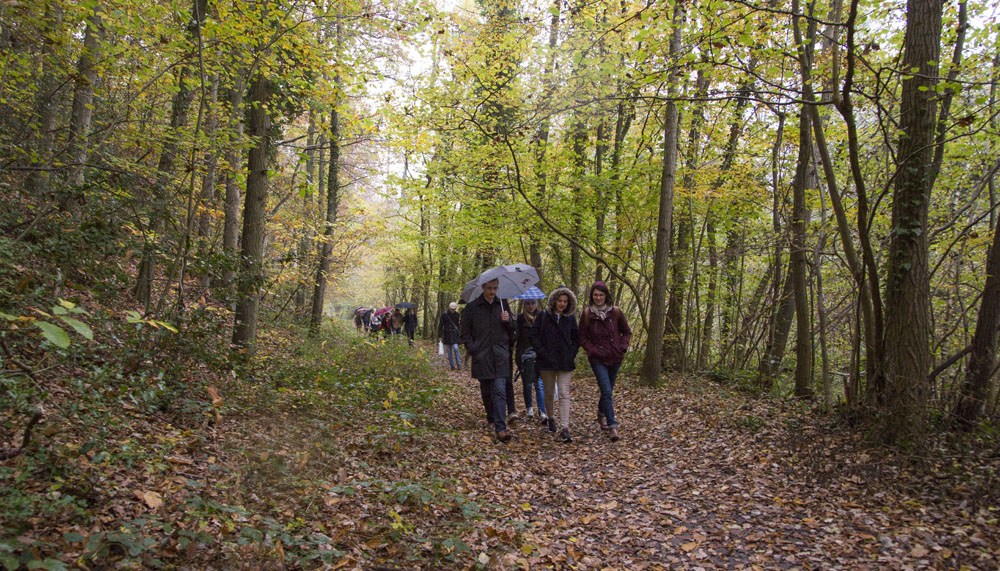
{"points": [[494, 393]]}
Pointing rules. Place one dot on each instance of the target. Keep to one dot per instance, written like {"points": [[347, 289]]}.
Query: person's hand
{"points": [[504, 316]]}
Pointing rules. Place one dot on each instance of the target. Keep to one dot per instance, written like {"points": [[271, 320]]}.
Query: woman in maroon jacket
{"points": [[604, 335]]}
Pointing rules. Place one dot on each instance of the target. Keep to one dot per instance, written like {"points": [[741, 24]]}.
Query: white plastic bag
{"points": [[440, 348]]}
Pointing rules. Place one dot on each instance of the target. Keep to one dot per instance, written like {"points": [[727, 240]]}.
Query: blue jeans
{"points": [[494, 394], [606, 375], [529, 376], [456, 361]]}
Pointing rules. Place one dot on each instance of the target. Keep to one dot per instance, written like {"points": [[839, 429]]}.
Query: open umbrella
{"points": [[513, 280], [383, 311], [405, 305], [531, 293]]}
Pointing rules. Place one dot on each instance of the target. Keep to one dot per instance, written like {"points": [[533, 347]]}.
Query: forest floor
{"points": [[705, 478], [371, 455]]}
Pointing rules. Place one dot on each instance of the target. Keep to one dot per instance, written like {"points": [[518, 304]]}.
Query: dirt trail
{"points": [[699, 479]]}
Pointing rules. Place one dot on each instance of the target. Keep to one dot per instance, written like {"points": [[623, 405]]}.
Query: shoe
{"points": [[512, 416], [603, 421], [564, 435], [543, 418], [503, 435], [531, 412], [552, 425], [613, 434]]}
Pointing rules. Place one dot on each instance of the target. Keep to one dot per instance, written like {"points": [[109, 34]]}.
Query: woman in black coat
{"points": [[556, 339]]}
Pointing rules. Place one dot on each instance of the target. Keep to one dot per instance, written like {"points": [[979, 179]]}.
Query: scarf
{"points": [[529, 318], [600, 311]]}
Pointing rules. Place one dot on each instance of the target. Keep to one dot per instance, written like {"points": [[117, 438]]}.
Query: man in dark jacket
{"points": [[487, 328]]}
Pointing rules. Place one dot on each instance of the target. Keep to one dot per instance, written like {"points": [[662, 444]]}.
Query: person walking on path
{"points": [[410, 324], [524, 356], [555, 338], [448, 332], [396, 322], [486, 330], [604, 335]]}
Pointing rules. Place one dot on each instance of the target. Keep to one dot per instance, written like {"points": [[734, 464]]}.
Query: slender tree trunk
{"points": [[712, 290], [907, 302], [231, 207], [332, 202], [673, 346], [160, 208], [799, 264], [304, 245], [79, 123], [982, 358], [650, 374], [38, 182], [579, 138], [542, 138], [251, 276], [602, 203], [207, 197], [805, 178]]}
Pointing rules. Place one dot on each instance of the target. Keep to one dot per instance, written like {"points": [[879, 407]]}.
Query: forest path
{"points": [[700, 479]]}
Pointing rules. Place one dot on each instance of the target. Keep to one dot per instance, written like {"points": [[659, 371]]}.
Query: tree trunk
{"points": [[805, 178], [207, 196], [79, 123], [251, 276], [332, 202], [798, 262], [231, 205], [907, 302], [160, 208], [712, 291], [579, 140], [38, 181], [650, 374], [982, 358], [673, 346]]}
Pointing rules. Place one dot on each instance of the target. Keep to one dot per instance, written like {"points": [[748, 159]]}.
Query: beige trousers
{"points": [[550, 379]]}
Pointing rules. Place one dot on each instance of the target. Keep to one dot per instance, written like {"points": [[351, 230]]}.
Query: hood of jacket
{"points": [[570, 307]]}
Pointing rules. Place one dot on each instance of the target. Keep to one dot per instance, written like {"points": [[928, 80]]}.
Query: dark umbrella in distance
{"points": [[405, 305]]}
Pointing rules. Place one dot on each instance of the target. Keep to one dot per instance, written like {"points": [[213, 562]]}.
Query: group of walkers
{"points": [[545, 342], [389, 324]]}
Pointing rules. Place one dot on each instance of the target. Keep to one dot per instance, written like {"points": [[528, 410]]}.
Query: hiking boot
{"points": [[552, 425], [613, 434], [503, 435], [564, 435], [603, 421]]}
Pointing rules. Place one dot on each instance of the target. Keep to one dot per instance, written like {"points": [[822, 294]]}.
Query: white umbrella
{"points": [[513, 280]]}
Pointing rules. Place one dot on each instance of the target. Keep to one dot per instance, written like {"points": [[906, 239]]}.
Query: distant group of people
{"points": [[545, 343], [390, 323]]}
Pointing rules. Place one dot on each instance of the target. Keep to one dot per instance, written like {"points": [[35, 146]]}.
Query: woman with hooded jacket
{"points": [[604, 335], [555, 337]]}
